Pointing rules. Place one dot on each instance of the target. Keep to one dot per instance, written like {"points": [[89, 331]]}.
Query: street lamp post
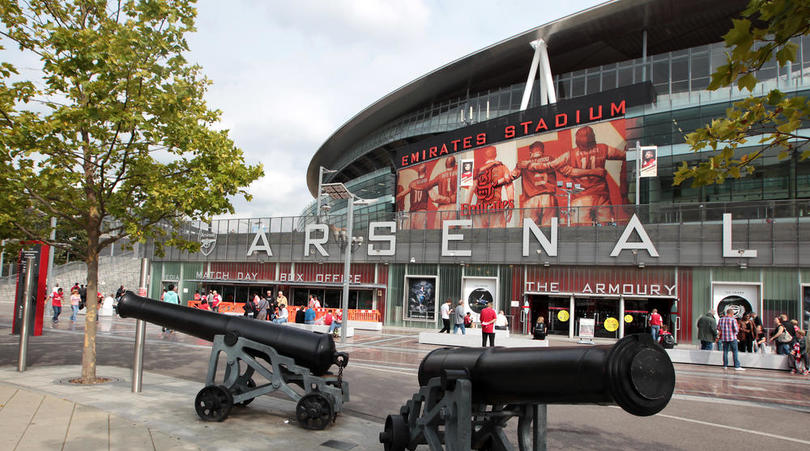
{"points": [[339, 191], [321, 171], [569, 188]]}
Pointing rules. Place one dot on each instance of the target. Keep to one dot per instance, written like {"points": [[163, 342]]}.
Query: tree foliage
{"points": [[770, 123], [112, 135]]}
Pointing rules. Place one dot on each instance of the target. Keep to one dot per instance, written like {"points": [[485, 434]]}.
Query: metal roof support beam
{"points": [[540, 58]]}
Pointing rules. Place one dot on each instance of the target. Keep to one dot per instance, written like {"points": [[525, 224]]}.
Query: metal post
{"points": [[2, 256], [347, 268], [50, 257], [638, 174], [140, 333], [22, 360], [318, 196]]}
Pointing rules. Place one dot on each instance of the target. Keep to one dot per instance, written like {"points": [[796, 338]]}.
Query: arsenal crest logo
{"points": [[208, 240]]}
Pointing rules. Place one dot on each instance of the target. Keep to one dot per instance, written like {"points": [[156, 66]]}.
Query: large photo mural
{"points": [[532, 177]]}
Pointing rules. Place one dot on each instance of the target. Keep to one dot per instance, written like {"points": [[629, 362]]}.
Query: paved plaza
{"points": [[711, 408]]}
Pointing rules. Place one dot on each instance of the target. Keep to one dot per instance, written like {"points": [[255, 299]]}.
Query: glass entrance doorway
{"points": [[555, 313], [605, 313], [637, 311]]}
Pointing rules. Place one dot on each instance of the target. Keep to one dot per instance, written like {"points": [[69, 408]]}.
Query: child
{"points": [[467, 320], [797, 354], [666, 339]]}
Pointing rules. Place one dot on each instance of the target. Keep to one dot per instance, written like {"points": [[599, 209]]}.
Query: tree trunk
{"points": [[90, 323]]}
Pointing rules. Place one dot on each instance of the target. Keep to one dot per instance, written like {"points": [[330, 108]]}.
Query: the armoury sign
{"points": [[382, 240], [605, 288]]}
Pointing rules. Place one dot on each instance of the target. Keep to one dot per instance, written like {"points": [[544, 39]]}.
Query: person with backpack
{"points": [[782, 335], [539, 332]]}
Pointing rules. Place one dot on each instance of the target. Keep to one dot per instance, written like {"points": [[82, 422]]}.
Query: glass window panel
{"points": [[700, 65], [593, 84], [660, 75], [626, 76], [578, 87], [609, 79]]}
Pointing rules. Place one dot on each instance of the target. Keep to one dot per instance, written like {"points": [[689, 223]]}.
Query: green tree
{"points": [[773, 121], [115, 139]]}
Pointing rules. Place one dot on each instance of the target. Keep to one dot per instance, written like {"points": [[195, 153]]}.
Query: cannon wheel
{"points": [[396, 435], [250, 384], [213, 403], [314, 411]]}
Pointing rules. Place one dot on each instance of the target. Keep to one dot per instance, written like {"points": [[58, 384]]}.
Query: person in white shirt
{"points": [[445, 311], [501, 323], [282, 315]]}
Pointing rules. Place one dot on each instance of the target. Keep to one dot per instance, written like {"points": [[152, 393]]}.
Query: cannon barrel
{"points": [[309, 349], [634, 373]]}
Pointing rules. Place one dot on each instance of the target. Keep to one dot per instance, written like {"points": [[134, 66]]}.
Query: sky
{"points": [[286, 75]]}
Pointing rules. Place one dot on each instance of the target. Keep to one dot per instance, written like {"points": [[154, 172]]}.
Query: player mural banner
{"points": [[420, 298], [649, 161], [524, 178]]}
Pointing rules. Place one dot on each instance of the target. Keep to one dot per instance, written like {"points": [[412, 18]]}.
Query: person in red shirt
{"points": [[488, 317], [56, 303], [337, 321], [655, 324]]}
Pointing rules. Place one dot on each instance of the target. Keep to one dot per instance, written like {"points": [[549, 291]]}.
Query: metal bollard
{"points": [[140, 333], [22, 360]]}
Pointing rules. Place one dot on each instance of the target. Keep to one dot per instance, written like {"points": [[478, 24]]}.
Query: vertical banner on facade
{"points": [[649, 161], [478, 291], [467, 167], [420, 298]]}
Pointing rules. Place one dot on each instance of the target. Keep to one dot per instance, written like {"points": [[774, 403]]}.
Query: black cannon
{"points": [[469, 394], [294, 356]]}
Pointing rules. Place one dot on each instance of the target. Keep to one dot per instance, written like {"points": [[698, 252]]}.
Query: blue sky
{"points": [[286, 74]]}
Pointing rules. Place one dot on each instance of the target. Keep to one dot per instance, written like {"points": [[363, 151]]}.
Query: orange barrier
{"points": [[354, 314]]}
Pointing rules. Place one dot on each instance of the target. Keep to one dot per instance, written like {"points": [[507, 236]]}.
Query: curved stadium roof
{"points": [[607, 33]]}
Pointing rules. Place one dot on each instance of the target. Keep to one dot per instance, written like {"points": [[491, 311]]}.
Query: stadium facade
{"points": [[538, 173]]}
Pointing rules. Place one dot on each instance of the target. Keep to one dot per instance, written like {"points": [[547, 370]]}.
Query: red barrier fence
{"points": [[354, 314]]}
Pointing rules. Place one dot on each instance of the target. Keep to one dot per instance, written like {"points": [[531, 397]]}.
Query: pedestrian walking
{"points": [[445, 312], [56, 304], [75, 299], [655, 324], [458, 318]]}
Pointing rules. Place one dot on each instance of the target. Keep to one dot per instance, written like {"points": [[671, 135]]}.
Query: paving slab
{"points": [[15, 416], [48, 428], [166, 412]]}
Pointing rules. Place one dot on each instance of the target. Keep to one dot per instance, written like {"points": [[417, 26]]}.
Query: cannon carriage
{"points": [[468, 395], [285, 357]]}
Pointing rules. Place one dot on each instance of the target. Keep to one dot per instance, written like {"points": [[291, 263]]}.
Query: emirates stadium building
{"points": [[537, 173]]}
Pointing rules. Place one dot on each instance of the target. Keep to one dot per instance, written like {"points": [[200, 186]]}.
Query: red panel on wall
{"points": [[606, 281]]}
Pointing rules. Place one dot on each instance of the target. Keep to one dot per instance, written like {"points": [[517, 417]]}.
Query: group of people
{"points": [[77, 298], [274, 309], [746, 334], [461, 319], [206, 301]]}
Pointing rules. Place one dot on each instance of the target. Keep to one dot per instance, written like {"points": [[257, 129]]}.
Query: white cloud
{"points": [[288, 74]]}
